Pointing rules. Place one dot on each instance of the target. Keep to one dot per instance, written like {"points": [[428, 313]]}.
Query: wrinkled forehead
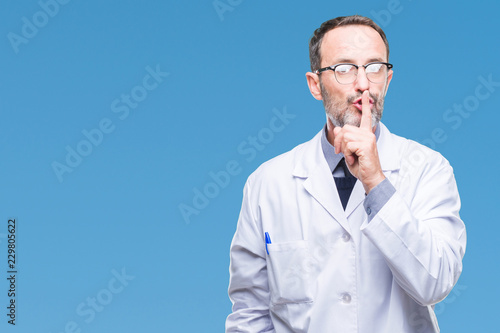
{"points": [[358, 44]]}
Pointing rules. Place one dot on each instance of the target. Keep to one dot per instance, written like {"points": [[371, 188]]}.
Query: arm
{"points": [[418, 231], [422, 237], [248, 285]]}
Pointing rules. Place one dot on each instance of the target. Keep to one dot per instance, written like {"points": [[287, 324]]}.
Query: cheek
{"points": [[334, 88], [380, 93], [341, 100], [341, 95], [383, 90]]}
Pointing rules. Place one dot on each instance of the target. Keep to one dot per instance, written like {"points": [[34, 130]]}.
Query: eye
{"points": [[374, 68], [344, 69]]}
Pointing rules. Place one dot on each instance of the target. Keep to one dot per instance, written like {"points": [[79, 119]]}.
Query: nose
{"points": [[361, 83]]}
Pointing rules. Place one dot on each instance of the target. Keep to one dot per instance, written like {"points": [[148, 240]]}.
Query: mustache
{"points": [[354, 97]]}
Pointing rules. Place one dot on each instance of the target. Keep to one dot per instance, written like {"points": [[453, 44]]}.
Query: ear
{"points": [[314, 87]]}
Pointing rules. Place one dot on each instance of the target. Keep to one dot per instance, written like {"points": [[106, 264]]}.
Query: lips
{"points": [[359, 106]]}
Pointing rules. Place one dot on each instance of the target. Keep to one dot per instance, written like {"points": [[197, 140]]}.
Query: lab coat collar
{"points": [[310, 156], [310, 163], [389, 150]]}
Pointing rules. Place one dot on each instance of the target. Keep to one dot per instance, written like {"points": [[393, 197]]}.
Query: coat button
{"points": [[346, 298], [346, 237], [368, 210]]}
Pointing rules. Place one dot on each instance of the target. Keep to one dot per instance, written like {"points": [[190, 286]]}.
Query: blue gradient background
{"points": [[120, 207]]}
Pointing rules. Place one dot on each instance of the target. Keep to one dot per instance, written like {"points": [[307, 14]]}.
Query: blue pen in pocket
{"points": [[268, 241]]}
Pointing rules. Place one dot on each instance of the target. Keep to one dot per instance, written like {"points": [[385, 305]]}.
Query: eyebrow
{"points": [[349, 61]]}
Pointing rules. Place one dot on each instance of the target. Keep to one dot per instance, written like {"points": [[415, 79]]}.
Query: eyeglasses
{"points": [[376, 72]]}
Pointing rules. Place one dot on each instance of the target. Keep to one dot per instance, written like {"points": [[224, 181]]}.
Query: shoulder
{"points": [[282, 166], [411, 155]]}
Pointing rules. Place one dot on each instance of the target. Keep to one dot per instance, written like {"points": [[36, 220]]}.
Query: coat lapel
{"points": [[389, 151], [357, 197], [311, 165]]}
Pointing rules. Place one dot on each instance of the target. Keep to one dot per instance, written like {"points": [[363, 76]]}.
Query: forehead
{"points": [[356, 43]]}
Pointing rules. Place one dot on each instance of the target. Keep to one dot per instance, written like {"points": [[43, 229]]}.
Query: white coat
{"points": [[330, 270]]}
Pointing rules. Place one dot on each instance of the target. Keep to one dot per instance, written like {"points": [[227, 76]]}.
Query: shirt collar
{"points": [[329, 151]]}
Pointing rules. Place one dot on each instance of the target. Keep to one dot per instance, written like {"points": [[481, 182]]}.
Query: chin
{"points": [[353, 119]]}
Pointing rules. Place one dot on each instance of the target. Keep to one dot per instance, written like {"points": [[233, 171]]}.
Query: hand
{"points": [[359, 146]]}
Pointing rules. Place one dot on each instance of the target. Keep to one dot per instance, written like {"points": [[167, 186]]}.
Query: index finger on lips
{"points": [[366, 116]]}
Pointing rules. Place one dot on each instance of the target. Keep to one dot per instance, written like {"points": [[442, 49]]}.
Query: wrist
{"points": [[372, 183]]}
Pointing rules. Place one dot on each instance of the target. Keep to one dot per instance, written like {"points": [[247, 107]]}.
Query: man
{"points": [[357, 230]]}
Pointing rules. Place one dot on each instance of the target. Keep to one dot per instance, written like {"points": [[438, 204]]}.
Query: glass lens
{"points": [[376, 73], [345, 73]]}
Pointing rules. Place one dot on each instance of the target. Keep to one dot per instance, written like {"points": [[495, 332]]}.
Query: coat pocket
{"points": [[290, 268]]}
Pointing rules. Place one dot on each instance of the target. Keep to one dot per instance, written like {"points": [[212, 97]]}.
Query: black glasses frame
{"points": [[321, 70]]}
